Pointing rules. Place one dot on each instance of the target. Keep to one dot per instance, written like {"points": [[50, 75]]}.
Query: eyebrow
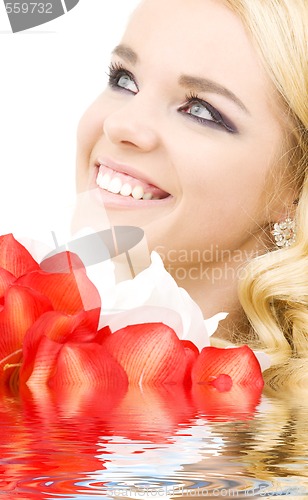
{"points": [[205, 85], [126, 53], [191, 82]]}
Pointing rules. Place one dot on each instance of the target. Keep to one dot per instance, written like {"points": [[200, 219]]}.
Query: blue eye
{"points": [[197, 109], [120, 78], [204, 113]]}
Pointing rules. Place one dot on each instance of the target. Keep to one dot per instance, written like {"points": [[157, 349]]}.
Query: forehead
{"points": [[198, 37], [204, 27]]}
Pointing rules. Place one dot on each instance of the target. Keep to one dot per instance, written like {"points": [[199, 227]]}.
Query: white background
{"points": [[48, 77]]}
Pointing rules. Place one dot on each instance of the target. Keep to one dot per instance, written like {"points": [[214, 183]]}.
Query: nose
{"points": [[133, 124]]}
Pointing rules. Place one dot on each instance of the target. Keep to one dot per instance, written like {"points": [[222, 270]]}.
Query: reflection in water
{"points": [[163, 443]]}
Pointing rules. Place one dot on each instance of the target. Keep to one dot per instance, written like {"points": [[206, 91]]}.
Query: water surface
{"points": [[167, 443]]}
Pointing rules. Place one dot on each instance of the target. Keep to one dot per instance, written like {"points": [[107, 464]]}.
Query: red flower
{"points": [[48, 325], [192, 353], [62, 350], [224, 367], [227, 383], [69, 289], [151, 414], [15, 258], [27, 293], [238, 403], [150, 353], [22, 307], [43, 441]]}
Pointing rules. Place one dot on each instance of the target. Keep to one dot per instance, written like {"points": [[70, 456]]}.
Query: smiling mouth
{"points": [[124, 185]]}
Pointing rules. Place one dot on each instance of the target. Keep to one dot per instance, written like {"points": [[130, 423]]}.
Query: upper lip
{"points": [[125, 169]]}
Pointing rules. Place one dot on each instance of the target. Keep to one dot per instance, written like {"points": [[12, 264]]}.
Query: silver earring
{"points": [[284, 233]]}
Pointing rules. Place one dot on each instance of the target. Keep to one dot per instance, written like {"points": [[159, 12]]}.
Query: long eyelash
{"points": [[215, 115], [113, 73], [115, 67], [218, 119], [195, 97], [116, 70]]}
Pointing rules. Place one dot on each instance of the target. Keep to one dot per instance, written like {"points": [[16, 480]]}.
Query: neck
{"points": [[213, 286]]}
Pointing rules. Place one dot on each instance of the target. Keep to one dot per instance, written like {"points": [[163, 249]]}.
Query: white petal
{"points": [[155, 287], [211, 324], [143, 314]]}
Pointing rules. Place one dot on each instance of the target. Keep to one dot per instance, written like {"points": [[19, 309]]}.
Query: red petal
{"points": [[239, 403], [68, 292], [49, 443], [239, 363], [152, 414], [21, 309], [223, 383], [102, 334], [151, 354], [72, 403], [6, 279], [58, 328], [61, 327], [63, 262], [14, 257], [87, 365], [192, 353], [39, 363]]}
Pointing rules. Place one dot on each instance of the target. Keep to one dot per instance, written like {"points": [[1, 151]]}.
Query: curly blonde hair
{"points": [[274, 292]]}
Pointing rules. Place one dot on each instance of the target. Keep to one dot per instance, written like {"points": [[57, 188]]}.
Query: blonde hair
{"points": [[274, 293]]}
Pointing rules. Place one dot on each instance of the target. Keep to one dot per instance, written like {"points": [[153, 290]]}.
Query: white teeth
{"points": [[99, 179], [147, 196], [126, 189], [137, 192], [115, 185], [105, 181]]}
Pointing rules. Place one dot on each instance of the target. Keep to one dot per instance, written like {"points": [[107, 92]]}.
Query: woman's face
{"points": [[188, 121]]}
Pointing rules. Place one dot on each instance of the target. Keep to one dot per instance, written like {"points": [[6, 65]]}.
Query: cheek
{"points": [[89, 128], [228, 181], [89, 131]]}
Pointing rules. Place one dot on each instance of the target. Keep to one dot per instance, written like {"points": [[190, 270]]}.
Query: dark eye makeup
{"points": [[194, 107], [117, 74]]}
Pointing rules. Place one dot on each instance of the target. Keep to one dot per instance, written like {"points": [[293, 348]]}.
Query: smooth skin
{"points": [[180, 63]]}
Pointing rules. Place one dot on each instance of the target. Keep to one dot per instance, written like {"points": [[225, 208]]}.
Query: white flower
{"points": [[154, 296]]}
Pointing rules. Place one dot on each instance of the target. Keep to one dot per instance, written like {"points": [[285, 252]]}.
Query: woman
{"points": [[201, 140]]}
